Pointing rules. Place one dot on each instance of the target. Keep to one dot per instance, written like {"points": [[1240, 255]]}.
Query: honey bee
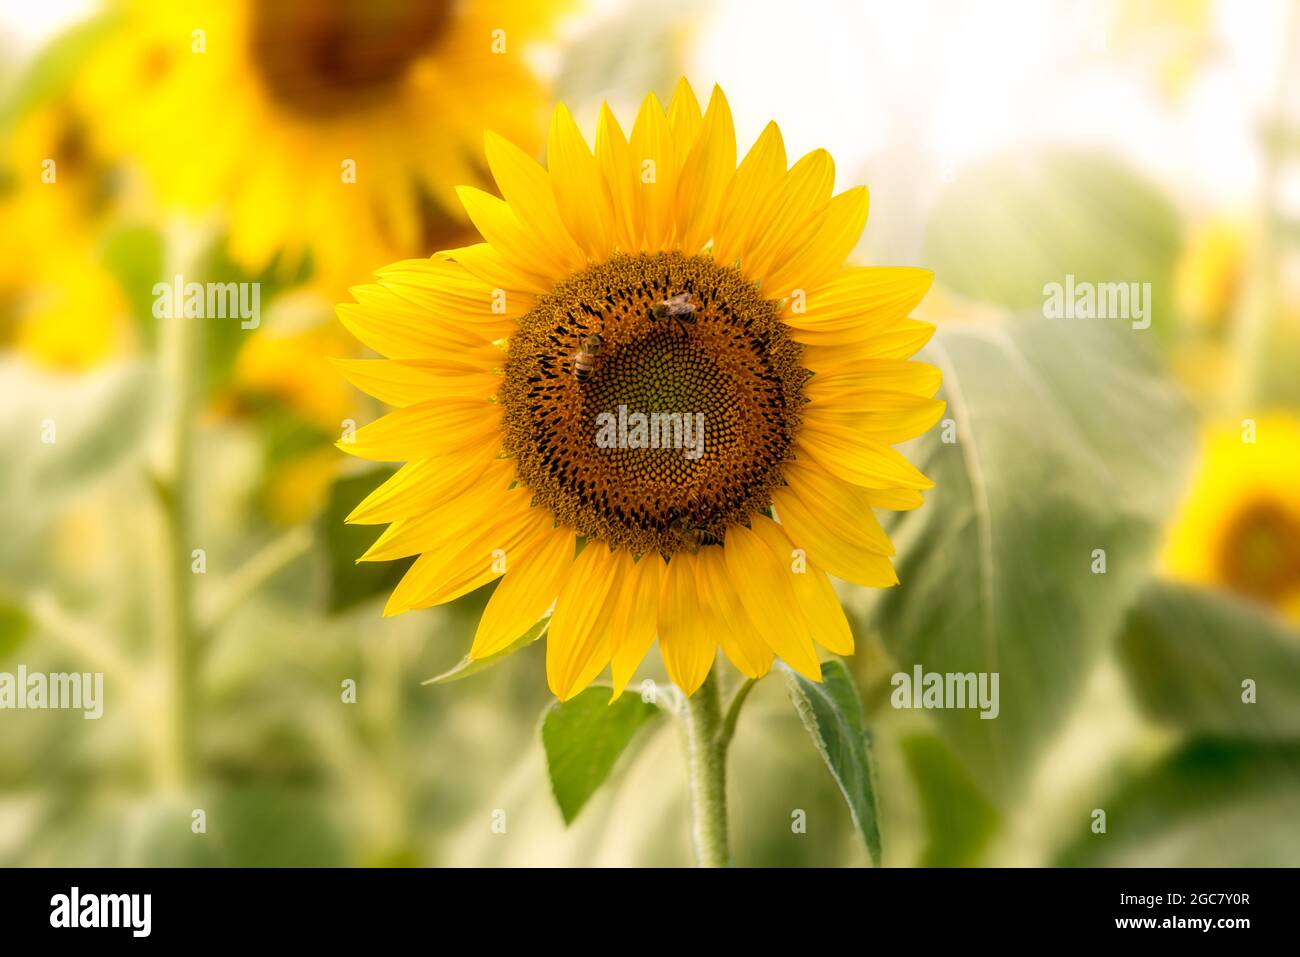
{"points": [[584, 360], [691, 534], [679, 308]]}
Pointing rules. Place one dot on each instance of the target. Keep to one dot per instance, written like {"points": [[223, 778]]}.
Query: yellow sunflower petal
{"points": [[833, 523], [578, 640], [473, 508], [440, 427], [498, 224], [403, 383], [526, 186], [814, 596], [769, 596], [858, 302], [686, 641], [789, 217], [455, 567], [485, 262], [422, 484], [891, 375], [759, 175], [683, 120], [633, 624], [398, 335], [531, 583], [615, 159], [740, 643], [900, 341], [454, 295], [809, 262], [888, 417], [651, 152], [705, 174], [851, 456], [896, 499], [580, 188]]}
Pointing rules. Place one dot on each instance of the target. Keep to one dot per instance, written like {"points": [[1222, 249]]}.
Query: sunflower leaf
{"points": [[469, 666], [832, 713], [1188, 653], [1064, 453], [1011, 224], [583, 738], [350, 583], [1211, 803]]}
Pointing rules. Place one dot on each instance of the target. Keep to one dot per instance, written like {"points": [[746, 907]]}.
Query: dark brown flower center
{"points": [[679, 427], [1260, 554], [321, 58]]}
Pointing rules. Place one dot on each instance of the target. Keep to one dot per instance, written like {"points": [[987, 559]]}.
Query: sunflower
{"points": [[719, 294], [59, 304], [1239, 527], [324, 126]]}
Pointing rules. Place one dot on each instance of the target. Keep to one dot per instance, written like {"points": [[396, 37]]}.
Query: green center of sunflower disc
{"points": [[677, 425]]}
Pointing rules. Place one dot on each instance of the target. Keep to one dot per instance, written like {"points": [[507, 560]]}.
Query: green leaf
{"points": [[60, 434], [1066, 441], [959, 820], [348, 582], [583, 738], [1210, 804], [134, 256], [832, 714], [1187, 651], [1014, 223], [14, 628], [53, 68], [471, 666], [624, 56]]}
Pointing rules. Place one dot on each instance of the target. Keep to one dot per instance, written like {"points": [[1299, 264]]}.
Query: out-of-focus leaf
{"points": [[53, 68], [1066, 442], [470, 666], [14, 628], [1187, 651], [583, 738], [1010, 225], [959, 819], [832, 713], [349, 582], [225, 337], [1211, 804], [621, 58], [59, 434], [134, 255]]}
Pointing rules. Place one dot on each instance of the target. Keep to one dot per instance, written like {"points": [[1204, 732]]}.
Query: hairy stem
{"points": [[707, 763]]}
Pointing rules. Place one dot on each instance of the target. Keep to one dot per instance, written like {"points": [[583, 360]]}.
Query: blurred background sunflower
{"points": [[1099, 533]]}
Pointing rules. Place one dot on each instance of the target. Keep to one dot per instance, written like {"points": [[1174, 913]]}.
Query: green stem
{"points": [[178, 354], [707, 764]]}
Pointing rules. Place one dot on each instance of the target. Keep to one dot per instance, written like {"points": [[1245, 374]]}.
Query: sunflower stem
{"points": [[706, 758], [180, 343]]}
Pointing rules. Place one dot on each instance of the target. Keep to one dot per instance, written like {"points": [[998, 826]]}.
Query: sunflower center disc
{"points": [[324, 57], [1261, 552], [678, 425]]}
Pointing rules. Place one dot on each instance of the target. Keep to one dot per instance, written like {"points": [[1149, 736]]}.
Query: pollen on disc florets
{"points": [[734, 365]]}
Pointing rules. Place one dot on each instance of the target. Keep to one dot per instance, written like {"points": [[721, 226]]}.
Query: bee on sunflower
{"points": [[798, 364]]}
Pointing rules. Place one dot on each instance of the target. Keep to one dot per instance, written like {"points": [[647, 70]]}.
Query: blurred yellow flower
{"points": [[295, 368], [1209, 272], [334, 128], [652, 276], [1239, 527], [60, 306]]}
